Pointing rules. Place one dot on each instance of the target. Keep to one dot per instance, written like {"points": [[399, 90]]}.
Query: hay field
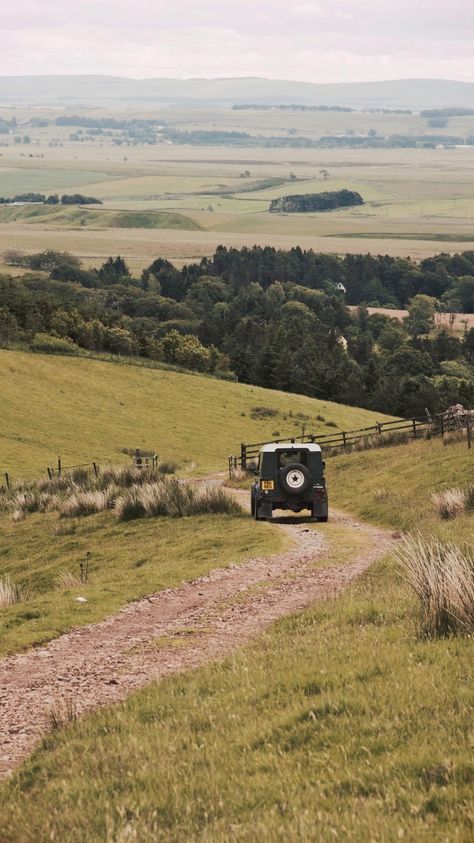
{"points": [[417, 201]]}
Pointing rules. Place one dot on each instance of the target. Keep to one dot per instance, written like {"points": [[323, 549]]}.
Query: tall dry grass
{"points": [[9, 592], [87, 503], [80, 492], [177, 500], [453, 502], [442, 577]]}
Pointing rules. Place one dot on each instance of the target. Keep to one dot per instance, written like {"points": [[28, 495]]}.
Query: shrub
{"points": [[53, 345], [257, 413], [442, 577], [168, 467]]}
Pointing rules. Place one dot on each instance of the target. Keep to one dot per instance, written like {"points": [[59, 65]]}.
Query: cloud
{"points": [[325, 40]]}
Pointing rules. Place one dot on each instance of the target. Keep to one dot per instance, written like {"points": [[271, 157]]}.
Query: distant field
{"points": [[458, 323], [86, 410], [416, 201]]}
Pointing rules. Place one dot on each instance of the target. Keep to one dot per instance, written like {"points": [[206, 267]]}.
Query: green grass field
{"points": [[339, 723], [85, 410]]}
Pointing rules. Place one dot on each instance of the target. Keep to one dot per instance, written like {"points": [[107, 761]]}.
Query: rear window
{"points": [[287, 457]]}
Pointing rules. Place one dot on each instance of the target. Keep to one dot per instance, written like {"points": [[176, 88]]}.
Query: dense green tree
{"points": [[9, 327], [421, 315]]}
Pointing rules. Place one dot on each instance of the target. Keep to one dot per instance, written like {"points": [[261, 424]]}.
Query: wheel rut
{"points": [[210, 617]]}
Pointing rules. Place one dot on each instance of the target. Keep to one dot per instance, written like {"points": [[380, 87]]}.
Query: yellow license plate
{"points": [[267, 485]]}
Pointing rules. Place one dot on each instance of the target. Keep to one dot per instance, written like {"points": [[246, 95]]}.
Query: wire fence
{"points": [[58, 469]]}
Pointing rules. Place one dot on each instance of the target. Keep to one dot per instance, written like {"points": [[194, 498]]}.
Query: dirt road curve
{"points": [[211, 616]]}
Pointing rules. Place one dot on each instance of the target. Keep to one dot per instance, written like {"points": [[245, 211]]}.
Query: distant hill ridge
{"points": [[88, 90]]}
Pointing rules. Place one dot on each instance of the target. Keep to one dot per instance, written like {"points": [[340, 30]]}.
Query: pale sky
{"points": [[321, 41]]}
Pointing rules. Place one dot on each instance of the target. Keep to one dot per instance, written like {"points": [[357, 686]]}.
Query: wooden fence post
{"points": [[468, 427], [344, 443], [59, 466], [49, 473], [7, 479], [243, 455], [414, 428], [96, 469]]}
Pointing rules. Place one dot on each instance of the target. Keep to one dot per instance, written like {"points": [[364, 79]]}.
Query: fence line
{"points": [[413, 428], [58, 470]]}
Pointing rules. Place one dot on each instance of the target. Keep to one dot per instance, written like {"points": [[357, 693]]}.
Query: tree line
{"points": [[307, 202], [268, 317], [53, 199]]}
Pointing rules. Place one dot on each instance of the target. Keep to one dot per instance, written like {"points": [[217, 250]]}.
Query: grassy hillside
{"points": [[340, 723], [393, 487], [86, 409]]}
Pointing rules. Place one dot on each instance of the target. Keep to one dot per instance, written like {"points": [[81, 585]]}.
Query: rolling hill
{"points": [[85, 90]]}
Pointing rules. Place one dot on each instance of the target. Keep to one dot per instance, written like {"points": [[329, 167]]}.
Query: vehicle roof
{"points": [[288, 446]]}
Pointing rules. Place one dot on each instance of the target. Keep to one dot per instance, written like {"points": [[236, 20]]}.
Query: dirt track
{"points": [[211, 616]]}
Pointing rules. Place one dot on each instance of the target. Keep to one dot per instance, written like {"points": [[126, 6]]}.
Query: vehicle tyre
{"points": [[295, 479], [322, 518]]}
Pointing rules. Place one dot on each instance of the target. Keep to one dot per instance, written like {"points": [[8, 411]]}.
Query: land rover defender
{"points": [[289, 476]]}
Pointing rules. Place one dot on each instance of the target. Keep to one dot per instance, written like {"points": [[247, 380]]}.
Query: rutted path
{"points": [[210, 617]]}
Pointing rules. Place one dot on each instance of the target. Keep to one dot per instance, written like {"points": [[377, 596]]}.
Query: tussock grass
{"points": [[450, 502], [87, 503], [442, 577], [67, 580], [9, 592], [240, 479], [454, 437], [382, 494], [80, 492], [61, 713], [178, 500]]}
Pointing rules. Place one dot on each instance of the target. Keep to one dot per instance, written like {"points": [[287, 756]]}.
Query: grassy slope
{"points": [[393, 486], [87, 409], [339, 723]]}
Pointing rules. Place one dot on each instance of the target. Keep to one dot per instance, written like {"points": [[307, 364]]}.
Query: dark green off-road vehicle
{"points": [[289, 476]]}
